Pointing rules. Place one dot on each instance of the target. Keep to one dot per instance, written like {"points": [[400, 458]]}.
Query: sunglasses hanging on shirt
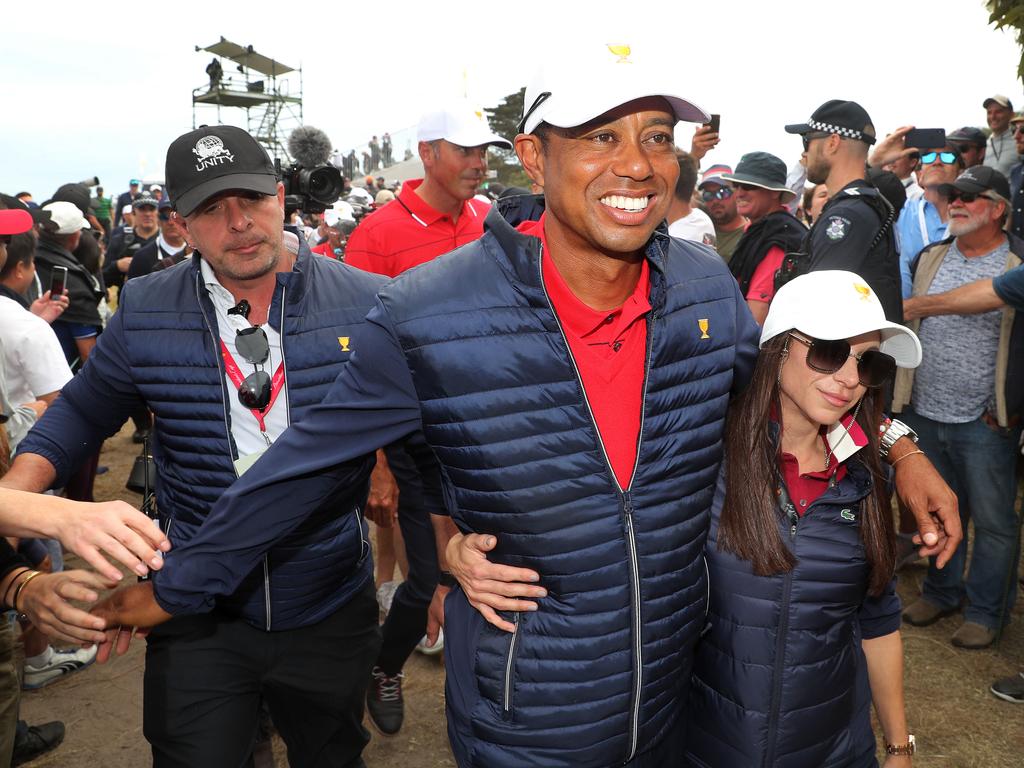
{"points": [[254, 391]]}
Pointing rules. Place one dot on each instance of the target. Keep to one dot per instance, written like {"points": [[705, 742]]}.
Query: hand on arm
{"points": [[932, 502], [126, 613], [490, 587]]}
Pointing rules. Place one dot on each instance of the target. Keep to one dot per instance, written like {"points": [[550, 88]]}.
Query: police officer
{"points": [[855, 229], [127, 241]]}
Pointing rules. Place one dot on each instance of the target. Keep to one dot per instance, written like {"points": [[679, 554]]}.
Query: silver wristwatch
{"points": [[894, 432]]}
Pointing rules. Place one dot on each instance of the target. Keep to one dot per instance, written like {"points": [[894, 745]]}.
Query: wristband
{"points": [[901, 458], [14, 580], [446, 579]]}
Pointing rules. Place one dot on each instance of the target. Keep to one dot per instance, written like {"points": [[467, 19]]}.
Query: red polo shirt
{"points": [[407, 232], [609, 348]]}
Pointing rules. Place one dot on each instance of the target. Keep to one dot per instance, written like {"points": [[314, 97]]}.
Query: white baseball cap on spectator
{"points": [[461, 124], [584, 82], [67, 218], [835, 304], [126, 209]]}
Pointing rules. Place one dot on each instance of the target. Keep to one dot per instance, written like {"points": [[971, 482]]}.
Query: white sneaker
{"points": [[61, 663], [431, 650], [385, 596]]}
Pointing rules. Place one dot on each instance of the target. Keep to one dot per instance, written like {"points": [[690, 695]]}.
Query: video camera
{"points": [[310, 190]]}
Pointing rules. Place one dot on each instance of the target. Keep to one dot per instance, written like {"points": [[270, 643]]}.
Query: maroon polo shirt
{"points": [[407, 232]]}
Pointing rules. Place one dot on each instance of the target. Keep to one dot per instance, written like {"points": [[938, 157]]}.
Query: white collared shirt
{"points": [[244, 428]]}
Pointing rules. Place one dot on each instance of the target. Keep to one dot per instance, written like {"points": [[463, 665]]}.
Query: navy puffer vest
{"points": [[599, 672], [780, 679]]}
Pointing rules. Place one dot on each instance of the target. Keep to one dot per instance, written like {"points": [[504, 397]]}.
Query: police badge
{"points": [[836, 229]]}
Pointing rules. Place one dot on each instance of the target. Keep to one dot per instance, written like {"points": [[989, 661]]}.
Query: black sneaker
{"points": [[384, 702], [37, 741]]}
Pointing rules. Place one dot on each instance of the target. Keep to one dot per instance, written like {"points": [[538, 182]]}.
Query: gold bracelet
{"points": [[21, 571], [17, 592], [901, 458]]}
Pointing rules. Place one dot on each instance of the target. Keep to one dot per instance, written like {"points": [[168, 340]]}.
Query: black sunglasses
{"points": [[252, 344], [874, 368], [541, 98], [723, 193], [966, 197], [809, 137]]}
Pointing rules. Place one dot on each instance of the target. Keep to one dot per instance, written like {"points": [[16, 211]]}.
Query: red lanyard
{"points": [[276, 383]]}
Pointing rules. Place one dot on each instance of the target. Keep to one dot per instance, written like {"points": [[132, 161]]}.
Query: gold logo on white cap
{"points": [[863, 290], [703, 325], [622, 51]]}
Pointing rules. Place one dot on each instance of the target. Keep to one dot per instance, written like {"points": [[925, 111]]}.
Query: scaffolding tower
{"points": [[272, 108]]}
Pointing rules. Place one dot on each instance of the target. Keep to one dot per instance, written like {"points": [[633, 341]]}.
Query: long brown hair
{"points": [[749, 525]]}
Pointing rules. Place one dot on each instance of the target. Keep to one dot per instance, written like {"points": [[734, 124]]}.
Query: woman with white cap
{"points": [[803, 620]]}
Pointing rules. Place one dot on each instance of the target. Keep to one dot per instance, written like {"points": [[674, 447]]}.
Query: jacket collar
{"points": [[521, 254]]}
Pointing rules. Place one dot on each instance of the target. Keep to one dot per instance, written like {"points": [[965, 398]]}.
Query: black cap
{"points": [[165, 204], [762, 169], [75, 193], [39, 216], [979, 179], [144, 199], [968, 135], [845, 118], [212, 159]]}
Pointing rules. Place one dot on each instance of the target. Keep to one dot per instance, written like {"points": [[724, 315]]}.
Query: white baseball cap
{"points": [[584, 83], [461, 124], [127, 209], [833, 304], [67, 217]]}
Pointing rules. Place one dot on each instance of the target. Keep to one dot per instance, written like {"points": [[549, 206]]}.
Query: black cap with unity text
{"points": [[213, 159], [845, 118]]}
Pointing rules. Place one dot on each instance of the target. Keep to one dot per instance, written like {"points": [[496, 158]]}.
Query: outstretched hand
{"points": [[128, 612], [45, 600]]}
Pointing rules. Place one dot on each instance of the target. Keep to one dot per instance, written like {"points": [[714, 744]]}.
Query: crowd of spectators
{"points": [[936, 232]]}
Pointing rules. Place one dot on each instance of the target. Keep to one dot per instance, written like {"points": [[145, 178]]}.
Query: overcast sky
{"points": [[84, 96]]}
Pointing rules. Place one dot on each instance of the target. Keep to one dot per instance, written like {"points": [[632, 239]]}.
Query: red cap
{"points": [[15, 221]]}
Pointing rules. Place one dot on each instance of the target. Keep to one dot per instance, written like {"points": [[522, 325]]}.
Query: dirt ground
{"points": [[957, 722]]}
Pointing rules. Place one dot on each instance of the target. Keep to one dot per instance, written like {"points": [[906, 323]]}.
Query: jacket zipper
{"points": [[780, 644], [627, 509], [510, 665]]}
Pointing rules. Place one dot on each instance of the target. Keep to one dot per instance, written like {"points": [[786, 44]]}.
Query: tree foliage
{"points": [[1009, 14], [504, 120]]}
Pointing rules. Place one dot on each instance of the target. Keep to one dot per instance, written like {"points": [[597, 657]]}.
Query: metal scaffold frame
{"points": [[259, 85]]}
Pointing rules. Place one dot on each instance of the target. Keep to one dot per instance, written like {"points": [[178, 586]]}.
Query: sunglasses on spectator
{"points": [[1018, 127], [165, 215], [967, 197], [724, 193], [809, 137], [741, 185], [874, 368], [252, 344], [947, 158]]}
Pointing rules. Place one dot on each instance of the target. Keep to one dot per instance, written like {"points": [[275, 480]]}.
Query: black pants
{"points": [[205, 677], [419, 494]]}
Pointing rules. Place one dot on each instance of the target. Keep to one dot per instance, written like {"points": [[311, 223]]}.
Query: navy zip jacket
{"points": [[468, 345], [780, 680], [162, 348]]}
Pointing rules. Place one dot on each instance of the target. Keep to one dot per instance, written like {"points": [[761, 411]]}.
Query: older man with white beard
{"points": [[965, 402]]}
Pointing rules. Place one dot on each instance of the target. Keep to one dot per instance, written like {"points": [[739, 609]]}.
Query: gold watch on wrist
{"points": [[902, 749]]}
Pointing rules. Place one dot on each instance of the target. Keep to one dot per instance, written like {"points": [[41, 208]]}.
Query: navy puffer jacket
{"points": [[780, 680], [598, 673], [161, 348]]}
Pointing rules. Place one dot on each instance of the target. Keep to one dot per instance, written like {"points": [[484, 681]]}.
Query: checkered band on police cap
{"points": [[848, 133]]}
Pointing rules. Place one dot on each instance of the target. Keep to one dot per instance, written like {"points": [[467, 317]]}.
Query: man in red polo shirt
{"points": [[432, 216], [437, 213]]}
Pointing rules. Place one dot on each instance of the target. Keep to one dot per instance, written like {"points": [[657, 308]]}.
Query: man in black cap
{"points": [[970, 143], [166, 249], [965, 402], [855, 229], [760, 192], [205, 347]]}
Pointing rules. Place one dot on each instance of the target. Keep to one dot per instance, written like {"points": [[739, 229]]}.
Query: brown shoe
{"points": [[922, 613], [973, 636]]}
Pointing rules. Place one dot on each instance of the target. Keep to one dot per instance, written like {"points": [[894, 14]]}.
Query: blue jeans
{"points": [[979, 463]]}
